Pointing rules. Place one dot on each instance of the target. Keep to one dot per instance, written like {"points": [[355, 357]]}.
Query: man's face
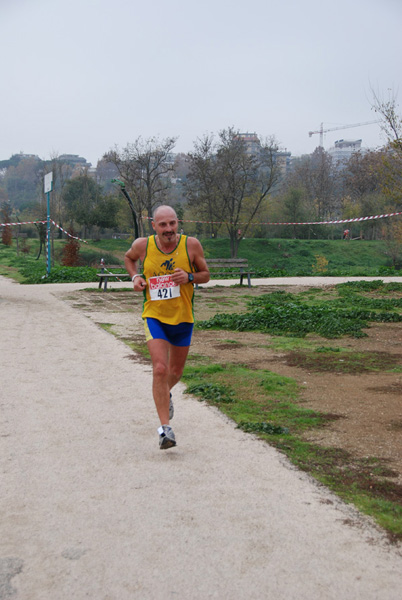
{"points": [[165, 224]]}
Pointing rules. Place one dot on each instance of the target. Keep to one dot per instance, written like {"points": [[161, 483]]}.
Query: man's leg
{"points": [[167, 363], [177, 361], [159, 351]]}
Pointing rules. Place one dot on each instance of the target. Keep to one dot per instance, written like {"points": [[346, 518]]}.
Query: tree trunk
{"points": [[234, 244]]}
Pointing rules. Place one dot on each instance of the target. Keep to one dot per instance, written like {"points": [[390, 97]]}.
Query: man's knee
{"points": [[176, 371], [160, 369]]}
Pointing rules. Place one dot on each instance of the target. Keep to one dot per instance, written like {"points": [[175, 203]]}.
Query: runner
{"points": [[172, 263]]}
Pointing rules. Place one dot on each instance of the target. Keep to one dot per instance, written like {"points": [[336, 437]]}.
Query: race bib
{"points": [[163, 288]]}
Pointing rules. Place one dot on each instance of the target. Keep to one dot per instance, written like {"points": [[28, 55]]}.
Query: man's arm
{"points": [[131, 258], [196, 255], [201, 274]]}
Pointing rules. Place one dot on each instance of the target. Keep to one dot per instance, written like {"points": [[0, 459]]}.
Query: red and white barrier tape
{"points": [[66, 232], [44, 222], [21, 223], [333, 222]]}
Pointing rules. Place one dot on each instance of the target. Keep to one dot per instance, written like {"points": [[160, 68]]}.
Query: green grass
{"points": [[250, 396], [270, 257], [139, 347], [267, 257], [282, 313], [107, 327], [26, 269]]}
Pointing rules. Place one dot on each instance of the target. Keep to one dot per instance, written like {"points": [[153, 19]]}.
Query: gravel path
{"points": [[92, 509]]}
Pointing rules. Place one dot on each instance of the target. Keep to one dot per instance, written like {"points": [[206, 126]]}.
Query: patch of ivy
{"points": [[58, 274], [211, 391], [370, 286], [282, 313], [262, 427]]}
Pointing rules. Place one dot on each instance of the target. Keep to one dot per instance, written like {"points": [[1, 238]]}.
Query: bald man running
{"points": [[172, 263]]}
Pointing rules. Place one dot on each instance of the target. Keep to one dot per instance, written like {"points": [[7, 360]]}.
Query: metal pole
{"points": [[136, 235], [48, 233], [130, 203]]}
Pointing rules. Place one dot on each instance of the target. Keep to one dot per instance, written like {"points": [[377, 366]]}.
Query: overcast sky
{"points": [[81, 76]]}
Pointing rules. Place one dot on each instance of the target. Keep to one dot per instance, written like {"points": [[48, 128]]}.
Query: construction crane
{"points": [[321, 131]]}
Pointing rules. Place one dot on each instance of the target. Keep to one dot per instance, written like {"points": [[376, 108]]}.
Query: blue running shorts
{"points": [[177, 335]]}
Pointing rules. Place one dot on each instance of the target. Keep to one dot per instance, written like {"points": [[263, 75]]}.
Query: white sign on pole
{"points": [[48, 182]]}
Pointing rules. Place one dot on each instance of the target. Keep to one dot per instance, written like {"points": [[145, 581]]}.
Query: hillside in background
{"points": [[267, 258], [294, 257], [298, 256]]}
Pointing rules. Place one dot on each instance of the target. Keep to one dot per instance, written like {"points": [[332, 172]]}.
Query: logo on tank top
{"points": [[168, 264]]}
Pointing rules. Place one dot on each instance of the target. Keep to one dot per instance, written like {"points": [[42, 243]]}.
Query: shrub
{"points": [[70, 253], [7, 236]]}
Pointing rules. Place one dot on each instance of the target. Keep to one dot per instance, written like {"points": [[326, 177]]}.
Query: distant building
{"points": [[253, 146], [343, 150], [104, 173], [252, 142], [283, 160], [78, 163], [22, 155]]}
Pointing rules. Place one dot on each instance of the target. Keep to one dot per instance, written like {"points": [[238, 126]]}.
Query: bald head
{"points": [[167, 211]]}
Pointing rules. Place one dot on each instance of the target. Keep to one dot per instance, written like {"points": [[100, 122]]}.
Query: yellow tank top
{"points": [[168, 304]]}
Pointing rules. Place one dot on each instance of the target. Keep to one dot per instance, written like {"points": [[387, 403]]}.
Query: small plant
{"points": [[211, 391], [262, 427], [25, 249], [320, 265]]}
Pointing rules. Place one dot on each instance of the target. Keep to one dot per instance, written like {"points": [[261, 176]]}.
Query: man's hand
{"points": [[139, 284], [179, 276]]}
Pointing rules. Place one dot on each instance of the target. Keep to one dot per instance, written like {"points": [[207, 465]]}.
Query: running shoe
{"points": [[171, 408], [166, 437]]}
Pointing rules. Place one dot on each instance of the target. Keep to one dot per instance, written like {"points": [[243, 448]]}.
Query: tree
{"points": [[41, 227], [86, 205], [323, 183], [391, 120], [23, 182], [6, 234], [201, 184], [105, 211], [230, 181], [13, 161], [392, 234], [361, 175], [145, 167], [176, 192], [62, 173], [391, 124], [362, 189], [316, 177], [294, 208]]}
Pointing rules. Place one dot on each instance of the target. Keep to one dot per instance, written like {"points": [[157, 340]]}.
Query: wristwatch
{"points": [[190, 277]]}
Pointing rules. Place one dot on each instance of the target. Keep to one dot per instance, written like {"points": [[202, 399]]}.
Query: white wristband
{"points": [[136, 275]]}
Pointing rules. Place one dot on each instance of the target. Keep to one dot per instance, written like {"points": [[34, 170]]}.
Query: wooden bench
{"points": [[221, 267], [105, 274], [228, 267]]}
